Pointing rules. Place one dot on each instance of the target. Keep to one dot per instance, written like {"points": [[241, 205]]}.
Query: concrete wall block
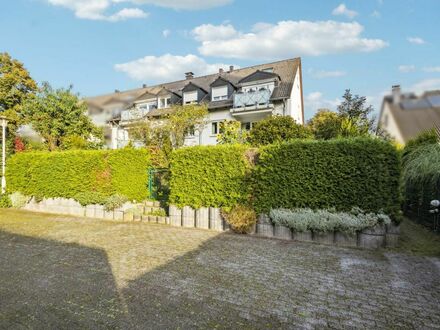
{"points": [[324, 238], [162, 220], [393, 228], [149, 203], [305, 236], [137, 217], [391, 240], [215, 219], [202, 218], [167, 220], [265, 230], [99, 212], [188, 217], [119, 215], [156, 204], [343, 239], [376, 230], [108, 215], [128, 216], [90, 211], [175, 216], [371, 241], [152, 219], [264, 219], [282, 232]]}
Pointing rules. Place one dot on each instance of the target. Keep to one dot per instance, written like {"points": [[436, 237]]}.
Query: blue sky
{"points": [[102, 45]]}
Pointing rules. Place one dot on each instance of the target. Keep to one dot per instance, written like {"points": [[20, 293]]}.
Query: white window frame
{"points": [[219, 93]]}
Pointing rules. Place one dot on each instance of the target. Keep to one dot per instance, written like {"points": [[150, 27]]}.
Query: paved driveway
{"points": [[59, 272]]}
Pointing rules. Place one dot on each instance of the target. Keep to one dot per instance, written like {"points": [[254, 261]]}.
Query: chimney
{"points": [[144, 85], [189, 75], [231, 68], [396, 93], [117, 91], [220, 70]]}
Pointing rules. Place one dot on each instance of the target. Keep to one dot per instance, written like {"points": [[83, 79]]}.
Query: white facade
{"points": [[389, 124], [244, 109]]}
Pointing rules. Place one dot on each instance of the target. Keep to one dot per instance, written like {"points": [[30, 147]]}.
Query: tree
{"points": [[325, 124], [231, 133], [183, 120], [277, 129], [59, 116], [356, 115]]}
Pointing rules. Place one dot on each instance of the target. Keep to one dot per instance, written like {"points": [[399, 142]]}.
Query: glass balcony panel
{"points": [[251, 98]]}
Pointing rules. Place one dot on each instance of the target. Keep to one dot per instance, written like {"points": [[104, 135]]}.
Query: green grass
{"points": [[416, 239]]}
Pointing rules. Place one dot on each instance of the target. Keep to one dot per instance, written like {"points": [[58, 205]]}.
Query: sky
{"points": [[102, 45]]}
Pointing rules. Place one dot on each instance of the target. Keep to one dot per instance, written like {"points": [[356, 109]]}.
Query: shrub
{"points": [[90, 197], [158, 213], [66, 174], [5, 201], [300, 220], [115, 201], [277, 129], [241, 218], [18, 200], [205, 176], [340, 173]]}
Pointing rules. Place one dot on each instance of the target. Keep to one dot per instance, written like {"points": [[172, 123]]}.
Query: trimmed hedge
{"points": [[68, 173], [204, 176], [341, 174]]}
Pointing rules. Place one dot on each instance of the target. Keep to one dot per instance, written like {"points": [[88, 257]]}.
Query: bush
{"points": [[338, 174], [115, 201], [421, 181], [5, 201], [69, 173], [322, 221], [158, 213], [205, 176], [277, 129], [241, 218], [18, 200], [90, 197]]}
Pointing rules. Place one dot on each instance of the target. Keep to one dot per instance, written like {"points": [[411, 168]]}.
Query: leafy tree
{"points": [[277, 129], [356, 115], [325, 124], [231, 133], [59, 116], [184, 119]]}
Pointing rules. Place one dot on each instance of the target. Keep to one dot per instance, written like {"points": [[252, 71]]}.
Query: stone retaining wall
{"points": [[210, 218]]}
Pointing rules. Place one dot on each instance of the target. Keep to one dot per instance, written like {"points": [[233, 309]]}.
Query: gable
{"points": [[259, 75]]}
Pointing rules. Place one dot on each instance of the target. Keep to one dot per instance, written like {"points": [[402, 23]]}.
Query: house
{"points": [[404, 116], [246, 95]]}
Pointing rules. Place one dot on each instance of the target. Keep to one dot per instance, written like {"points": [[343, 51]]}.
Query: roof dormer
{"points": [[221, 89], [260, 76], [193, 93]]}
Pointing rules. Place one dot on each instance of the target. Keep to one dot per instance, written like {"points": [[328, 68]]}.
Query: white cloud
{"points": [[207, 32], [284, 39], [95, 10], [166, 33], [167, 67], [432, 69], [416, 40], [321, 74], [426, 85], [407, 68], [343, 10], [315, 100], [183, 4]]}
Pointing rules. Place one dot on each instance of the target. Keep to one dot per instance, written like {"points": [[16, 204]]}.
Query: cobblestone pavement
{"points": [[59, 272]]}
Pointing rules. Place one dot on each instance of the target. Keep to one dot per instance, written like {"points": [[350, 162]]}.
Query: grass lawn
{"points": [[65, 272]]}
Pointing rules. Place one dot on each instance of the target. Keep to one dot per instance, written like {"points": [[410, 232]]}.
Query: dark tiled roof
{"points": [[220, 81], [259, 75], [285, 69], [414, 115], [193, 87]]}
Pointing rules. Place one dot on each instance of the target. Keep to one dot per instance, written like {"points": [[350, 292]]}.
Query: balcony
{"points": [[252, 100], [133, 114]]}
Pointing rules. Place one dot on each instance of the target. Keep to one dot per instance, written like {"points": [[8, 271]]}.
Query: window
{"points": [[189, 97], [191, 132], [164, 102], [219, 93], [246, 126], [215, 128]]}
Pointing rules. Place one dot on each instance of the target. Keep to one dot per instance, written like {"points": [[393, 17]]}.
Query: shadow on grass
{"points": [[51, 285]]}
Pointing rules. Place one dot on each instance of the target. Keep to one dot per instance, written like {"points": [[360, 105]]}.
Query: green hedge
{"points": [[421, 181], [209, 176], [339, 174], [68, 173]]}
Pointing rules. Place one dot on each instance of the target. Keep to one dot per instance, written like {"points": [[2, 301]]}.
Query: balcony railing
{"points": [[133, 114], [252, 99]]}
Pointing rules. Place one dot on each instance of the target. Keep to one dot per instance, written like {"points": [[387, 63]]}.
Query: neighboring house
{"points": [[404, 116], [247, 95]]}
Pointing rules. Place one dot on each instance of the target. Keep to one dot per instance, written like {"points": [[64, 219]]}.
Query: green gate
{"points": [[158, 183]]}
